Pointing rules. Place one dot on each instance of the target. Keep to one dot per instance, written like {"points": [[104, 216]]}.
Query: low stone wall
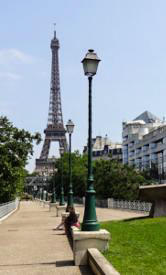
{"points": [[98, 263]]}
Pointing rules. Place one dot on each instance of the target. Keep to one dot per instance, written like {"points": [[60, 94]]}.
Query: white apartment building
{"points": [[144, 142], [104, 148]]}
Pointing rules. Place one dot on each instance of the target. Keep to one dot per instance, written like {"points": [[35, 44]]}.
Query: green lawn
{"points": [[137, 246]]}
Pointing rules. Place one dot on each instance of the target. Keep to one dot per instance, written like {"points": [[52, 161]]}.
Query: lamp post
{"points": [[45, 186], [62, 201], [90, 223], [46, 195], [53, 197], [42, 194], [70, 129]]}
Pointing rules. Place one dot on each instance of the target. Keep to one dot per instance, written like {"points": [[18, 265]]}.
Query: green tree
{"points": [[79, 174], [113, 179], [15, 147]]}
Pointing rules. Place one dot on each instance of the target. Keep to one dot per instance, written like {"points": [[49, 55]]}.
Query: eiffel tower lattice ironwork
{"points": [[55, 130]]}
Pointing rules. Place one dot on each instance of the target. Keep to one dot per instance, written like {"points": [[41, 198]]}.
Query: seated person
{"points": [[71, 220]]}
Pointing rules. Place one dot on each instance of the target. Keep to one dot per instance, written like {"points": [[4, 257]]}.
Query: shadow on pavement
{"points": [[30, 264], [85, 270], [64, 263]]}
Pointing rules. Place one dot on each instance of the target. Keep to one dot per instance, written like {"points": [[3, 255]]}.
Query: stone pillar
{"points": [[110, 203], [60, 209], [46, 203], [158, 208], [82, 240], [52, 206], [83, 200]]}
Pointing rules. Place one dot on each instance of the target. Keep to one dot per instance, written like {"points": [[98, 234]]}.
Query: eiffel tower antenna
{"points": [[54, 30], [55, 130]]}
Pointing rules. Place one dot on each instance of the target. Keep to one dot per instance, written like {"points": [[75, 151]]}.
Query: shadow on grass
{"points": [[136, 218]]}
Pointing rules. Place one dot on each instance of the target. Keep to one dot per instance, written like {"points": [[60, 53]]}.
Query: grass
{"points": [[137, 247]]}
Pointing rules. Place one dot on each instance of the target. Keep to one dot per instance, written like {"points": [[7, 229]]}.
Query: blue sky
{"points": [[128, 36]]}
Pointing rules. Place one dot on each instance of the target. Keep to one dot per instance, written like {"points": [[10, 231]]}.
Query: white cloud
{"points": [[10, 76], [8, 56]]}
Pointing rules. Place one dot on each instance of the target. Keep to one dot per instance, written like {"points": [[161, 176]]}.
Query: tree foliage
{"points": [[116, 180], [111, 178], [79, 173], [15, 147]]}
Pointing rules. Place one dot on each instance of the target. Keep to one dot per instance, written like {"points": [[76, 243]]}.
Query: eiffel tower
{"points": [[55, 130]]}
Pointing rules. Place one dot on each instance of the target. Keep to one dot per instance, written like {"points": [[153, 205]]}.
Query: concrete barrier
{"points": [[98, 263], [83, 240]]}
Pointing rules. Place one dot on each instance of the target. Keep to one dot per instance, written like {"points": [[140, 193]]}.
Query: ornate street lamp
{"points": [[70, 129], [62, 201], [90, 223]]}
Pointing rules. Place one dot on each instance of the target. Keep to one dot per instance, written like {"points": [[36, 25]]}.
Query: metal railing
{"points": [[119, 204], [129, 205], [8, 207]]}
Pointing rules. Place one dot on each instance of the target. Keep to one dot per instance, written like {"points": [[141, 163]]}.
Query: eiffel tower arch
{"points": [[55, 130]]}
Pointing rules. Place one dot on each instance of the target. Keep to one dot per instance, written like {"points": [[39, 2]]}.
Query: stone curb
{"points": [[98, 263]]}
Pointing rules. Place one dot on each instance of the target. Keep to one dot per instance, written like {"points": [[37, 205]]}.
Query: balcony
{"points": [[145, 149], [158, 147], [138, 151]]}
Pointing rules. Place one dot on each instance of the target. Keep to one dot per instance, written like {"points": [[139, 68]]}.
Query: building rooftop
{"points": [[135, 122], [147, 117]]}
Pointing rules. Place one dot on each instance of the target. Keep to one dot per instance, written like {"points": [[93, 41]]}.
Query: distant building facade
{"points": [[104, 148], [144, 142]]}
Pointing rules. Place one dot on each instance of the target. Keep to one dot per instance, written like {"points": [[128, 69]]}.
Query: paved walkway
{"points": [[30, 246], [105, 214]]}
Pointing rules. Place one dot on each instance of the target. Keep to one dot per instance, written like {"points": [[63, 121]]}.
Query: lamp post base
{"points": [[90, 222], [53, 197], [91, 226], [62, 202], [70, 202]]}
